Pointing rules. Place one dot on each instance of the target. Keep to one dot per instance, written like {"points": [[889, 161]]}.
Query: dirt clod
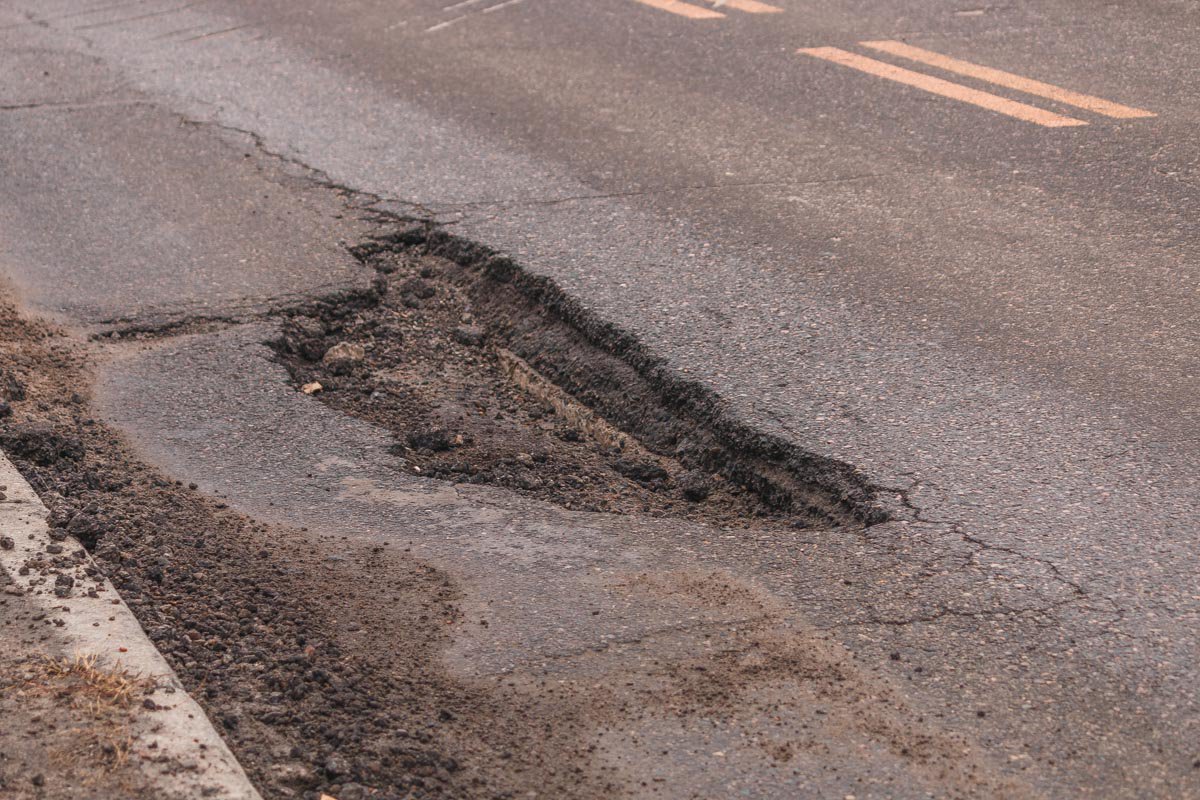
{"points": [[11, 387], [470, 335], [696, 486], [41, 443], [305, 336], [436, 440]]}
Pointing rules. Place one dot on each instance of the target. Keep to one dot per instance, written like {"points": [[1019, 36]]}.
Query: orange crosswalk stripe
{"points": [[1009, 80], [749, 6], [944, 88], [682, 9]]}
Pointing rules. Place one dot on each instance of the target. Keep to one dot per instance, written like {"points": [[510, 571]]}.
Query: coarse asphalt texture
{"points": [[993, 319]]}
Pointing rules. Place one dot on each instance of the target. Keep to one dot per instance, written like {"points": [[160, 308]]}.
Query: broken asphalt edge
{"points": [[181, 754]]}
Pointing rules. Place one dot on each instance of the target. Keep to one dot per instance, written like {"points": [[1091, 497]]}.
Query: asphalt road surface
{"points": [[953, 244]]}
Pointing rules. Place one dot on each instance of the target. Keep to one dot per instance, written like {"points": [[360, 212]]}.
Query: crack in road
{"points": [[67, 105], [918, 515], [991, 613], [320, 178]]}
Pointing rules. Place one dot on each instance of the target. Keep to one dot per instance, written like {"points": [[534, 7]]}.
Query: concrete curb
{"points": [[180, 752]]}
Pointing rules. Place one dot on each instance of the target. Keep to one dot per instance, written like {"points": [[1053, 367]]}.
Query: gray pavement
{"points": [[994, 318]]}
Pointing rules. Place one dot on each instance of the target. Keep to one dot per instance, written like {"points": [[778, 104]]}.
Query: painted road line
{"points": [[749, 6], [445, 24], [682, 9], [499, 6], [1009, 80], [944, 88]]}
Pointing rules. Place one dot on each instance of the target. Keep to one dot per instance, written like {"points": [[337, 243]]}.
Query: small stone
{"points": [[311, 388], [695, 486], [417, 288], [38, 780], [7, 543], [336, 765], [5, 409], [435, 439], [54, 548], [470, 335], [343, 357]]}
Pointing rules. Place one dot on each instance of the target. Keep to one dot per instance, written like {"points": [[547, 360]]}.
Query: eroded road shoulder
{"points": [[350, 627], [90, 706]]}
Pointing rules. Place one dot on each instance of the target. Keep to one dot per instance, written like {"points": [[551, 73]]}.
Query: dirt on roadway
{"points": [[319, 659]]}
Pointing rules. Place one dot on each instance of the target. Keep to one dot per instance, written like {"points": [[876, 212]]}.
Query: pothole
{"points": [[487, 374]]}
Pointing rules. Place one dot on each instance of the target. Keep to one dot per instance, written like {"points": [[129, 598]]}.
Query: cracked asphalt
{"points": [[993, 321]]}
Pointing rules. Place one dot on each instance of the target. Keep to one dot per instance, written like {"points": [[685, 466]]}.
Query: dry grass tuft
{"points": [[106, 697], [86, 685]]}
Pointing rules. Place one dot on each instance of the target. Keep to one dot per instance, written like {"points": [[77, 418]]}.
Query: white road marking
{"points": [[445, 24], [499, 6]]}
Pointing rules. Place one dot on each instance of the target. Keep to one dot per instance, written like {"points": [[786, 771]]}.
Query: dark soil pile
{"points": [[321, 681], [431, 364]]}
